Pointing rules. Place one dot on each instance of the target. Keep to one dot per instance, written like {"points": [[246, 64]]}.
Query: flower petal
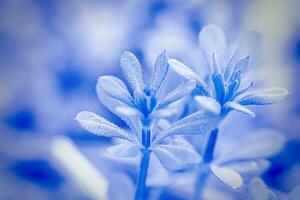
{"points": [[181, 91], [125, 149], [115, 88], [127, 111], [100, 126], [255, 167], [228, 176], [131, 69], [212, 41], [191, 125], [239, 107], [209, 104], [176, 157], [112, 104], [265, 97], [160, 71], [186, 72]]}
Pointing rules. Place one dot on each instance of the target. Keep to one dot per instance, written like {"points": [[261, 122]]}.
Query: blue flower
{"points": [[143, 109], [224, 91]]}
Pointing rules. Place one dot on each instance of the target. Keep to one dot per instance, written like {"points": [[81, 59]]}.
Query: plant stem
{"points": [[141, 184], [207, 158]]}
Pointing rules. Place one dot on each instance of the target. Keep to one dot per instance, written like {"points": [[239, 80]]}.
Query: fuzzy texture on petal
{"points": [[265, 97], [127, 111], [228, 176], [160, 71], [186, 72], [115, 88], [125, 149], [238, 107], [209, 104], [100, 126], [212, 42], [188, 128], [176, 155], [179, 92], [113, 104], [132, 71]]}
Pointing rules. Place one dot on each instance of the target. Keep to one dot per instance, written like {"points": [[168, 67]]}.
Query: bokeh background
{"points": [[53, 51]]}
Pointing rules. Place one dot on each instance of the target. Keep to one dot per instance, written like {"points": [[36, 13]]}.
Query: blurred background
{"points": [[53, 51]]}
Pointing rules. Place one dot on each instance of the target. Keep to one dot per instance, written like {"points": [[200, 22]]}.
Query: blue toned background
{"points": [[52, 52]]}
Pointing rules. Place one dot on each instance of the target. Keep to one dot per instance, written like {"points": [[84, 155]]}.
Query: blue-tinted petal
{"points": [[181, 91], [209, 104], [238, 107], [212, 41], [176, 157], [114, 88], [100, 126], [186, 72], [160, 71], [125, 149], [264, 97], [112, 104], [253, 167], [227, 176], [191, 125], [131, 69]]}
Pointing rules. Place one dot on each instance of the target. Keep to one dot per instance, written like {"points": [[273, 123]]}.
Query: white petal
{"points": [[228, 176], [185, 71], [209, 104], [127, 111], [239, 107]]}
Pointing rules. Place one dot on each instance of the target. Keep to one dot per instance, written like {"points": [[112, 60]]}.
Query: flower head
{"points": [[143, 112], [224, 90]]}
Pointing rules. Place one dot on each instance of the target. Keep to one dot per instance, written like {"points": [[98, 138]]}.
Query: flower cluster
{"points": [[153, 118]]}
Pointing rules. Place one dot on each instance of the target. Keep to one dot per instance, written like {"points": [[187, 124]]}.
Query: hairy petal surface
{"points": [[265, 97], [228, 176], [176, 156], [131, 69], [113, 105], [209, 104], [100, 126], [160, 71], [181, 91], [238, 107], [115, 88], [186, 72], [125, 149]]}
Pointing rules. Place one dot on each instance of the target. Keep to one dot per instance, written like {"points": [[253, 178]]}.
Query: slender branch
{"points": [[141, 184]]}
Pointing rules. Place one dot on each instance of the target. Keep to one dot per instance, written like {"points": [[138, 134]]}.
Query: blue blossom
{"points": [[224, 89], [143, 109]]}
